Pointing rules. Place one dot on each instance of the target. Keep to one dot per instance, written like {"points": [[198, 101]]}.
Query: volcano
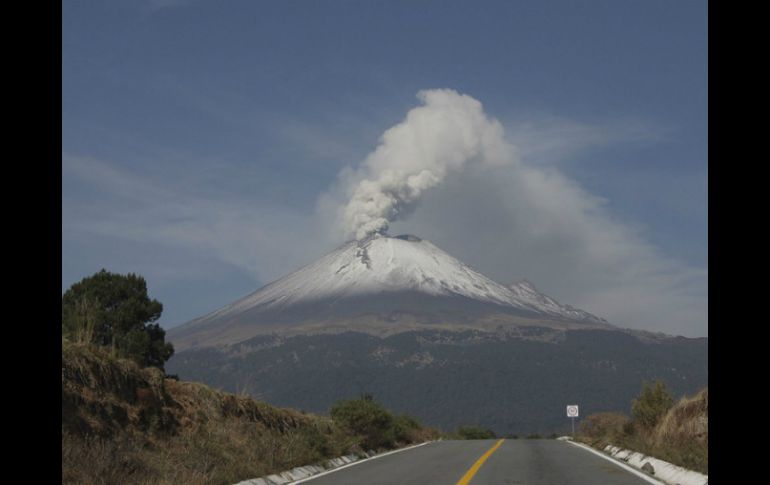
{"points": [[402, 320], [381, 285]]}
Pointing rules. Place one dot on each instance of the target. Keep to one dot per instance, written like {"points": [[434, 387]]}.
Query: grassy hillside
{"points": [[125, 424], [680, 436]]}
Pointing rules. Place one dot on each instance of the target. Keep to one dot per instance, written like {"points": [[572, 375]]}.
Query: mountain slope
{"points": [[526, 293], [383, 285], [510, 383], [401, 319]]}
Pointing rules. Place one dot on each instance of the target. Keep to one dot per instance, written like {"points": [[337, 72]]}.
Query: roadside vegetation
{"points": [[125, 421], [122, 423], [376, 427], [658, 427]]}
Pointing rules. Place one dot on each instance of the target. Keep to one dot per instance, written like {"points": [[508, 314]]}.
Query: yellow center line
{"points": [[466, 479]]}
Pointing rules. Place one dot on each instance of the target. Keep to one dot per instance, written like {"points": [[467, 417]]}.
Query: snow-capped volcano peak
{"points": [[380, 264], [384, 282]]}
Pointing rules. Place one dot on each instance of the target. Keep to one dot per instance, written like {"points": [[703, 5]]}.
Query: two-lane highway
{"points": [[486, 462]]}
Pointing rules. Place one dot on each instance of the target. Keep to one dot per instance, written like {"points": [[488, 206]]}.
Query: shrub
{"points": [[368, 419], [652, 404], [605, 425], [404, 428]]}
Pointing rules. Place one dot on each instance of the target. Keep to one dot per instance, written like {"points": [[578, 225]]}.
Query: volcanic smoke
{"points": [[449, 132]]}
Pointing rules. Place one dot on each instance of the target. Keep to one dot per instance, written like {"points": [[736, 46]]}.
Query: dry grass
{"points": [[605, 427], [84, 321], [126, 424], [680, 437], [687, 421], [682, 434]]}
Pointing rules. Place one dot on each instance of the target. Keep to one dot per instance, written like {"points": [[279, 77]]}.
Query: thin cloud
{"points": [[264, 239], [546, 138]]}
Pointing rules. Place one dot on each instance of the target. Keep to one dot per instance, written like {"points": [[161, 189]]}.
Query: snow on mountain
{"points": [[376, 265], [525, 293], [382, 265], [381, 283]]}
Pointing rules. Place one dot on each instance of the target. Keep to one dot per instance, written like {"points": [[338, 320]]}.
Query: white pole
{"points": [[573, 426]]}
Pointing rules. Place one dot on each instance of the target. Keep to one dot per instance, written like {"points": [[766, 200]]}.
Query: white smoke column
{"points": [[447, 133]]}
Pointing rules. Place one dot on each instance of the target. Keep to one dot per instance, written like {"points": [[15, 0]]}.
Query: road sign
{"points": [[572, 411]]}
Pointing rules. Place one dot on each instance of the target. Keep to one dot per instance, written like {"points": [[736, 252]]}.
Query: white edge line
{"points": [[619, 463], [303, 480]]}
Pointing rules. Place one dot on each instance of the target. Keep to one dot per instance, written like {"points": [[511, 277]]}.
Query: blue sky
{"points": [[198, 137]]}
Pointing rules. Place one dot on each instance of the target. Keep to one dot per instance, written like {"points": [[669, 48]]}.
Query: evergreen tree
{"points": [[115, 310]]}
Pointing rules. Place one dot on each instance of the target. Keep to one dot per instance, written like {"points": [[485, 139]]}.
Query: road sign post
{"points": [[572, 412]]}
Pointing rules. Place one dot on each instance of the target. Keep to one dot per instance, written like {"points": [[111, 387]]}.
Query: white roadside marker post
{"points": [[572, 412]]}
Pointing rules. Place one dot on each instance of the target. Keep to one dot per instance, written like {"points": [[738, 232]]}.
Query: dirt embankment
{"points": [[126, 424]]}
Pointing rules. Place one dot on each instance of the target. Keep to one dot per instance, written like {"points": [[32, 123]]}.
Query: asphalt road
{"points": [[529, 462]]}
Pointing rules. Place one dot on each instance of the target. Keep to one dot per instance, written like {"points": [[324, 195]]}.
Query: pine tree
{"points": [[115, 311]]}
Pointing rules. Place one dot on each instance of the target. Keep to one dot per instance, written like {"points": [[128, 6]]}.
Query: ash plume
{"points": [[447, 133]]}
